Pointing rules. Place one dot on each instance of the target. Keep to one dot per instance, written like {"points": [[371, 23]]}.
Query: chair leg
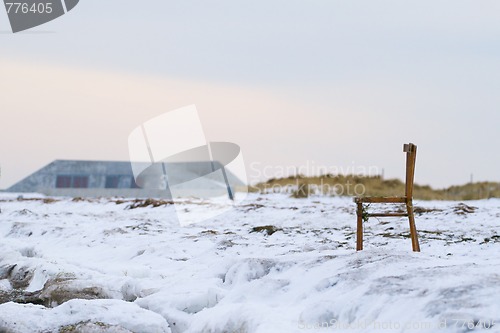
{"points": [[413, 228], [359, 230]]}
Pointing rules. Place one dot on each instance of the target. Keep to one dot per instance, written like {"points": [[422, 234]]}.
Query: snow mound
{"points": [[86, 315]]}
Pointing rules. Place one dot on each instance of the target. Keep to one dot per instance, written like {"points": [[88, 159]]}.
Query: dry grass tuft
{"points": [[143, 203]]}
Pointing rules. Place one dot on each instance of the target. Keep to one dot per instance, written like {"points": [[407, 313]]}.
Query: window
{"points": [[112, 181], [120, 181], [66, 181], [80, 181], [63, 182]]}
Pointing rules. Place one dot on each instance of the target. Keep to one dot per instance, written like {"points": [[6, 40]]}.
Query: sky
{"points": [[295, 83]]}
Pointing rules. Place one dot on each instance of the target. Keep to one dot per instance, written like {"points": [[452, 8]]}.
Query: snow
{"points": [[37, 318], [97, 264]]}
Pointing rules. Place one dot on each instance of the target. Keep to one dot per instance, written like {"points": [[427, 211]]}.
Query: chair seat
{"points": [[380, 199], [387, 215]]}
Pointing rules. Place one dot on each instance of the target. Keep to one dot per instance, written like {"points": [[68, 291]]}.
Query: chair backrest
{"points": [[411, 156]]}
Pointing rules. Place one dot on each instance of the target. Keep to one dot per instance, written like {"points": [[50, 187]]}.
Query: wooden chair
{"points": [[411, 154]]}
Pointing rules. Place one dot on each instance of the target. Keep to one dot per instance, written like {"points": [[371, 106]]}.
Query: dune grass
{"points": [[352, 185]]}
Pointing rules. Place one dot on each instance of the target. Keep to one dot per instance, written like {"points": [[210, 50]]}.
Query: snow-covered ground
{"points": [[96, 266]]}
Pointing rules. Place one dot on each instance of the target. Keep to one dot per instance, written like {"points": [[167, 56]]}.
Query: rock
{"points": [[97, 327], [6, 270], [20, 277], [62, 289], [268, 229], [20, 296]]}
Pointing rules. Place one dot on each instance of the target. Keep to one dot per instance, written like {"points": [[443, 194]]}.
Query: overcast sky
{"points": [[336, 83]]}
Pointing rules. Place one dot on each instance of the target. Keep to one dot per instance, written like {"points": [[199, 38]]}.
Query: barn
{"points": [[116, 178]]}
